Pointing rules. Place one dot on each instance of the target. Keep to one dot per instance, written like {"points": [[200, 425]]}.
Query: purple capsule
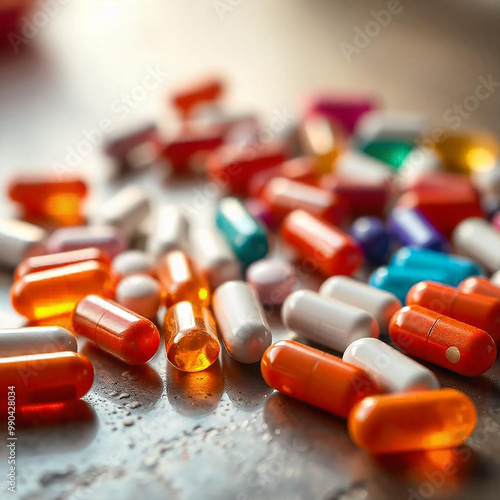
{"points": [[373, 236], [411, 228]]}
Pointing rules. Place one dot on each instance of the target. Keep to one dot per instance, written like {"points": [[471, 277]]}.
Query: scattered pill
{"points": [[19, 240], [139, 293], [133, 262], [373, 236]]}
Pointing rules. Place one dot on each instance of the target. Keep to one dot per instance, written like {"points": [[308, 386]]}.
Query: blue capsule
{"points": [[374, 238], [457, 268], [245, 235]]}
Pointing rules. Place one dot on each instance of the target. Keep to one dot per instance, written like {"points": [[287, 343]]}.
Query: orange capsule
{"points": [[56, 291], [45, 378], [204, 91], [190, 337], [180, 279], [444, 341], [394, 423], [51, 261], [323, 246], [313, 376], [480, 285], [48, 195], [474, 309], [282, 196], [116, 330]]}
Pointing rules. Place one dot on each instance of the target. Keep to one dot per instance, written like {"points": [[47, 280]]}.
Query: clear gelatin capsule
{"points": [[246, 236], [56, 291], [45, 378], [116, 330], [190, 337], [395, 423], [315, 377]]}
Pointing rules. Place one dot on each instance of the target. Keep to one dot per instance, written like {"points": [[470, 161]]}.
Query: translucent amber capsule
{"points": [[467, 151], [180, 280], [480, 285], [56, 291], [204, 91], [48, 195], [315, 377], [190, 339], [116, 330], [50, 261], [394, 423], [443, 341], [326, 248], [45, 378]]}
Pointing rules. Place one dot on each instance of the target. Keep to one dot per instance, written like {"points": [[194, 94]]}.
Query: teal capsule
{"points": [[399, 280], [457, 268], [392, 152], [245, 235]]}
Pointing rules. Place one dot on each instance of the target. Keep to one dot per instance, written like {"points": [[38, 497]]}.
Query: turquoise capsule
{"points": [[392, 152], [457, 268], [399, 280], [245, 235]]}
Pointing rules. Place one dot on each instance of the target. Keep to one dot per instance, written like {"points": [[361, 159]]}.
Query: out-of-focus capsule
{"points": [[133, 262], [481, 286], [399, 280], [46, 378], [190, 337], [18, 241], [247, 238], [169, 232], [495, 279], [208, 90], [213, 255], [242, 322], [487, 182], [419, 163], [35, 340], [315, 377], [327, 321], [322, 139], [50, 261], [126, 210], [261, 213], [116, 330], [56, 291], [444, 341], [49, 195], [459, 186], [457, 268], [417, 421], [323, 246], [358, 166], [272, 279], [496, 221], [345, 110], [411, 228], [378, 303], [476, 310], [106, 238], [282, 196], [391, 370], [373, 236], [139, 293], [478, 239], [180, 280], [233, 167], [467, 151], [443, 209]]}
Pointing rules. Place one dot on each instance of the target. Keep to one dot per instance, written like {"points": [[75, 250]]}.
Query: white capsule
{"points": [[126, 210], [139, 293], [169, 232], [133, 262], [495, 279], [19, 240], [391, 370], [35, 340], [418, 163], [328, 322], [478, 239], [213, 255], [379, 303], [487, 182], [356, 165], [242, 322]]}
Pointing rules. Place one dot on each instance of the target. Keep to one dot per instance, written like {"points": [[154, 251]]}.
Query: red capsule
{"points": [[471, 308], [444, 341], [480, 285], [203, 91]]}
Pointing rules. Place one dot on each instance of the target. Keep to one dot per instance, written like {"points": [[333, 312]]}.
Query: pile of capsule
{"points": [[346, 190]]}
